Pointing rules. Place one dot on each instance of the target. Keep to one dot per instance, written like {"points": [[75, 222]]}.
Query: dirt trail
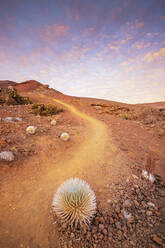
{"points": [[26, 200]]}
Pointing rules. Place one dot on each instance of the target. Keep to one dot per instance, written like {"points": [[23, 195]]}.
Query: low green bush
{"points": [[126, 116], [45, 110], [15, 99], [2, 101]]}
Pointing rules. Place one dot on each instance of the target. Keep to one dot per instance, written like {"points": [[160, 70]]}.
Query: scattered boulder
{"points": [[12, 119], [8, 119], [7, 155], [127, 204], [148, 176]]}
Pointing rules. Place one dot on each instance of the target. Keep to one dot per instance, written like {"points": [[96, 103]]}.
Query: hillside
{"points": [[110, 145], [6, 83]]}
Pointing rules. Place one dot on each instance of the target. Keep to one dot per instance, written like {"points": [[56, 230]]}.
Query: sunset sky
{"points": [[112, 49]]}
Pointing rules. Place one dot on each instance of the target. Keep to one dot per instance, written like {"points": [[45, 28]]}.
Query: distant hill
{"points": [[28, 85], [6, 83], [23, 86]]}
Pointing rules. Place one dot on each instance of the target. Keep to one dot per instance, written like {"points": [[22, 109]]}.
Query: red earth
{"points": [[109, 143]]}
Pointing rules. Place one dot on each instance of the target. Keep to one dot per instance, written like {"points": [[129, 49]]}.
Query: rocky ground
{"points": [[13, 137], [135, 218], [130, 208]]}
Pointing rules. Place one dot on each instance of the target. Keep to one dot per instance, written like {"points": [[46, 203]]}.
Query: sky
{"points": [[110, 49]]}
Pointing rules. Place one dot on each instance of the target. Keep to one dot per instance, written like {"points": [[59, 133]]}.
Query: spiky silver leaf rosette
{"points": [[75, 202]]}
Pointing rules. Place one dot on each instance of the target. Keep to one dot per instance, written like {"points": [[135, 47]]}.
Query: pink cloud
{"points": [[54, 33], [127, 38], [139, 24], [114, 45], [4, 58], [34, 56], [157, 56], [140, 45], [89, 31]]}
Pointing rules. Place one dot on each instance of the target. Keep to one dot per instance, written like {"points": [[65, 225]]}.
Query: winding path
{"points": [[26, 200]]}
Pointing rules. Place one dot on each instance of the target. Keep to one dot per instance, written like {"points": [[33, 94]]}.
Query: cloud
{"points": [[140, 45], [127, 38], [157, 56], [139, 24], [4, 58], [54, 33], [88, 31], [114, 45]]}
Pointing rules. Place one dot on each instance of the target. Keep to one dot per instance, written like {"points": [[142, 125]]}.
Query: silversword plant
{"points": [[65, 136], [31, 130], [75, 202]]}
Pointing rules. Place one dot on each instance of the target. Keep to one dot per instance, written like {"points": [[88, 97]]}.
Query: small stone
{"points": [[121, 216], [111, 220], [72, 235], [156, 239], [7, 155], [145, 174], [105, 231], [144, 204], [101, 219], [151, 178], [88, 236], [110, 238], [149, 213], [136, 203], [8, 119], [137, 191], [18, 119], [131, 220], [64, 225], [118, 225], [117, 209], [151, 204], [127, 180], [134, 176], [119, 235], [100, 236], [127, 204], [101, 226]]}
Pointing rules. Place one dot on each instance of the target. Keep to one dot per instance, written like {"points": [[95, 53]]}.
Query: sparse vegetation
{"points": [[11, 97], [15, 99], [45, 110], [126, 116], [65, 136], [2, 101], [31, 130]]}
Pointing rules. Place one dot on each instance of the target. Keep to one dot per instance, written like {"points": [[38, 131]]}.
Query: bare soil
{"points": [[106, 150]]}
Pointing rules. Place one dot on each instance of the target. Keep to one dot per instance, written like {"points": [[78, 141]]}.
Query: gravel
{"points": [[133, 219]]}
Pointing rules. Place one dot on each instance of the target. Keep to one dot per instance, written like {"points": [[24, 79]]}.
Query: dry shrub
{"points": [[45, 110], [126, 116], [11, 97]]}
